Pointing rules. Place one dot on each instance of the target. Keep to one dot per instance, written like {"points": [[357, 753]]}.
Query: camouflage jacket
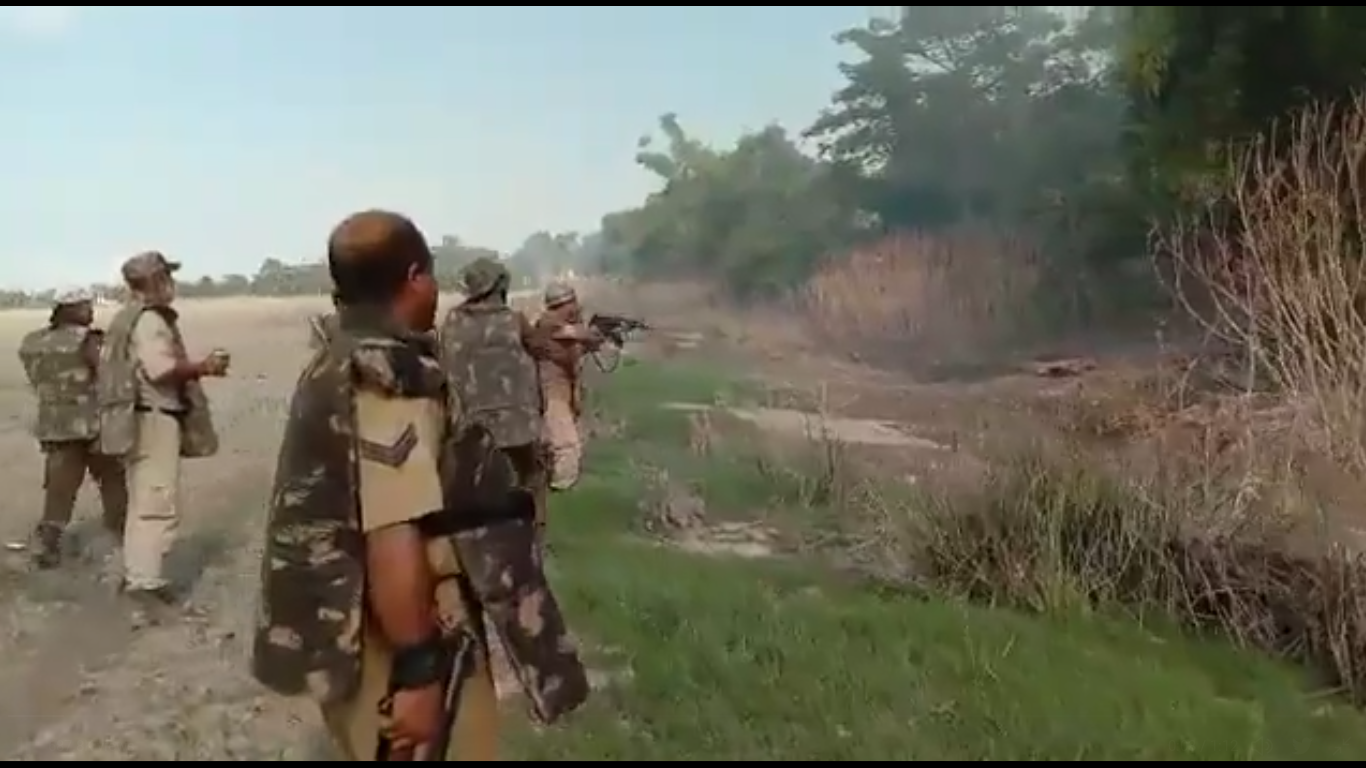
{"points": [[56, 360], [308, 631], [116, 390], [321, 329], [490, 373]]}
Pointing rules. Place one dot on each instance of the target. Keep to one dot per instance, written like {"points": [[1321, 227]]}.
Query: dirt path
{"points": [[78, 681]]}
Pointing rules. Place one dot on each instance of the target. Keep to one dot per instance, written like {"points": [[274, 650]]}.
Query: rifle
{"points": [[617, 328], [321, 329], [457, 670]]}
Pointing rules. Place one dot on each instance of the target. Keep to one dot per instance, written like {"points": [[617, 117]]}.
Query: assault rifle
{"points": [[321, 329], [458, 668], [617, 328]]}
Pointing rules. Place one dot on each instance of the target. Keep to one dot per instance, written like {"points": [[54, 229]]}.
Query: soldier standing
{"points": [[389, 538], [491, 374], [568, 340], [60, 361], [153, 412]]}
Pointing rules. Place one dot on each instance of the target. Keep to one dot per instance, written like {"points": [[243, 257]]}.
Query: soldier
{"points": [[568, 340], [60, 361], [484, 352], [153, 412], [391, 543]]}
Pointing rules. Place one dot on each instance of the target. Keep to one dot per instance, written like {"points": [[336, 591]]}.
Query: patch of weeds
{"points": [[1055, 533], [777, 660]]}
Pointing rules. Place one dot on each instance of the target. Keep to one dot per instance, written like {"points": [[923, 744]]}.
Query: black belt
{"points": [[175, 413]]}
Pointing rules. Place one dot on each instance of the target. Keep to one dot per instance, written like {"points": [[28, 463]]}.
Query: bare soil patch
{"points": [[806, 425]]}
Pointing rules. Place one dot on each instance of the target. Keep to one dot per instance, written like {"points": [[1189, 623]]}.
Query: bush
{"points": [[1052, 533], [915, 296], [1205, 531]]}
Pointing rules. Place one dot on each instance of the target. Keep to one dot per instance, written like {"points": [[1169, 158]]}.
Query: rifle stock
{"points": [[460, 669]]}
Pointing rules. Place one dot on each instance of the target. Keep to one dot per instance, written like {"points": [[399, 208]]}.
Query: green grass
{"points": [[781, 660]]}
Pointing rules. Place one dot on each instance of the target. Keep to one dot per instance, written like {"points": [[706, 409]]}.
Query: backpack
{"points": [[492, 379]]}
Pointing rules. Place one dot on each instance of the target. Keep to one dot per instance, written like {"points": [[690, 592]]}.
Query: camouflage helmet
{"points": [[557, 294], [484, 276], [73, 296]]}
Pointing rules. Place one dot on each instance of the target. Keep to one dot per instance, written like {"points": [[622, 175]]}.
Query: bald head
{"points": [[372, 254]]}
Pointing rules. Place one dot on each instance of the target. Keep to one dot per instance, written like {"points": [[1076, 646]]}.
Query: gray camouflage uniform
{"points": [[60, 361]]}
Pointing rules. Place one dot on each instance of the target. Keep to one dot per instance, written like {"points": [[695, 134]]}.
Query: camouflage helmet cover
{"points": [[558, 294], [73, 296], [483, 276]]}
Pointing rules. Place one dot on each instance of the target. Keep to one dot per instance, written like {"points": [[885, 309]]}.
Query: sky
{"points": [[223, 135]]}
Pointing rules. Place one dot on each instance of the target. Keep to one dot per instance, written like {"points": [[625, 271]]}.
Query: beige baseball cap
{"points": [[148, 264]]}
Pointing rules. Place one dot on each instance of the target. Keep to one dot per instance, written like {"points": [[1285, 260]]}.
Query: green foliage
{"points": [[757, 216], [710, 657], [950, 115], [1202, 76]]}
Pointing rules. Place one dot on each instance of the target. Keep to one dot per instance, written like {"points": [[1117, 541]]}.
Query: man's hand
{"points": [[215, 365], [415, 719], [594, 339]]}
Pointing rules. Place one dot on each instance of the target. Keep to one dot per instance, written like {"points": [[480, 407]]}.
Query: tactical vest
{"points": [[309, 627], [490, 373], [116, 390], [55, 364]]}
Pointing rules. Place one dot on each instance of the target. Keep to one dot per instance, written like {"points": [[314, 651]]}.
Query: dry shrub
{"points": [[1271, 266], [920, 295], [1052, 532], [1201, 513]]}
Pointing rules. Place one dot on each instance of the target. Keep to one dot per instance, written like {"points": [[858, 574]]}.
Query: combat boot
{"points": [[47, 546]]}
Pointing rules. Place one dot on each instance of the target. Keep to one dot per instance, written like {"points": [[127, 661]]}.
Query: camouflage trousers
{"points": [[65, 466], [529, 467], [355, 724]]}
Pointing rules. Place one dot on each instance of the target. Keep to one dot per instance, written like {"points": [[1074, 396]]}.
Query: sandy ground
{"points": [[77, 682]]}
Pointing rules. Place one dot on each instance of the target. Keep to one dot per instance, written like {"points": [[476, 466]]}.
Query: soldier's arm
{"points": [[399, 485], [155, 349], [536, 340], [90, 348], [579, 336]]}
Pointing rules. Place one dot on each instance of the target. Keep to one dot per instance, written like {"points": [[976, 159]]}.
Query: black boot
{"points": [[47, 546]]}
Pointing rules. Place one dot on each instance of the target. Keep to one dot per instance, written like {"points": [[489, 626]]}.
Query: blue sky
{"points": [[225, 134]]}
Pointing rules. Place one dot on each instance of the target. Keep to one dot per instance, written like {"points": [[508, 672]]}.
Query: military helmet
{"points": [[557, 294], [73, 296], [484, 276]]}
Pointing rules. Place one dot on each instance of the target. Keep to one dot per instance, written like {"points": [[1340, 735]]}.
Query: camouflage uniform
{"points": [[366, 446], [561, 370], [492, 376], [59, 361], [151, 425]]}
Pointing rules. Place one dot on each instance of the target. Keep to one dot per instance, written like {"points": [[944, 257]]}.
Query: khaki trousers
{"points": [[564, 440], [355, 724], [65, 466], [154, 509]]}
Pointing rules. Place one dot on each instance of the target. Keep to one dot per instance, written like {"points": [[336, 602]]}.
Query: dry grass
{"points": [[918, 297]]}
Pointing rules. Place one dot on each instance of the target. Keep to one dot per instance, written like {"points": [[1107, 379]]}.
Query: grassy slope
{"points": [[776, 660]]}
